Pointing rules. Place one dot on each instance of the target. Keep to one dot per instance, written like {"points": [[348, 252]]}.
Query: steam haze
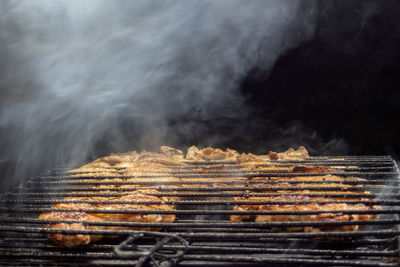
{"points": [[77, 75]]}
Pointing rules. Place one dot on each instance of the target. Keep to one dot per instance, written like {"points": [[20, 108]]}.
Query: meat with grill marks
{"points": [[82, 217], [310, 206], [118, 168], [293, 191], [313, 169]]}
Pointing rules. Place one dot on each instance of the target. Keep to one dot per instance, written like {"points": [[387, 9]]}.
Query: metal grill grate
{"points": [[202, 233]]}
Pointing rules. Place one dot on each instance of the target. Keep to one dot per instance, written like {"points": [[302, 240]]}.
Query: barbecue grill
{"points": [[203, 234]]}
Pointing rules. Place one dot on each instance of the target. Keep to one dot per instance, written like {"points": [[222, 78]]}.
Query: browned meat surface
{"points": [[214, 182], [137, 196], [312, 169], [116, 163], [251, 162], [133, 160], [263, 168], [67, 240], [210, 153], [290, 154], [134, 183], [158, 158], [300, 195], [322, 217], [249, 159]]}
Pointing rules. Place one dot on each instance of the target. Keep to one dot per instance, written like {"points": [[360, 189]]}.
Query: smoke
{"points": [[78, 75]]}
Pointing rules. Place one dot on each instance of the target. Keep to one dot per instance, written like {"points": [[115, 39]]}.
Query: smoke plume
{"points": [[78, 75]]}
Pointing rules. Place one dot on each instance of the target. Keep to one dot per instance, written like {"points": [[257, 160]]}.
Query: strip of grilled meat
{"points": [[312, 206], [298, 195]]}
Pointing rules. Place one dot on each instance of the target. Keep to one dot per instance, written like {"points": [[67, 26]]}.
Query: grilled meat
{"points": [[312, 169], [209, 153], [305, 195], [251, 162], [290, 154], [312, 206], [117, 169], [73, 240], [250, 158]]}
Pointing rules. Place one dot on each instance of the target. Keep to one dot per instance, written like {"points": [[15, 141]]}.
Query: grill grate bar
{"points": [[264, 242], [237, 188], [227, 247], [241, 180], [44, 262], [258, 258], [48, 195], [234, 179], [313, 160], [198, 212], [283, 260], [244, 168], [209, 235], [222, 171], [40, 253], [16, 202], [43, 242], [232, 174], [344, 161], [211, 223], [203, 226]]}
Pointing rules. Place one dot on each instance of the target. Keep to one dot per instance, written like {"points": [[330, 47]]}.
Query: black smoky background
{"points": [[82, 79]]}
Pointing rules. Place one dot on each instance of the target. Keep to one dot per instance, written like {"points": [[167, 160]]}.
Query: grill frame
{"points": [[42, 190]]}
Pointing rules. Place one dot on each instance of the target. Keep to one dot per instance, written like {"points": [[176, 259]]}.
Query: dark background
{"points": [[342, 85]]}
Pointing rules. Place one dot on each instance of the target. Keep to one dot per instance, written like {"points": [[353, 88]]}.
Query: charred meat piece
{"points": [[273, 155]]}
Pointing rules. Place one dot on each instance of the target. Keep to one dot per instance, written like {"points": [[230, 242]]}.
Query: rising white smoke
{"points": [[75, 73]]}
